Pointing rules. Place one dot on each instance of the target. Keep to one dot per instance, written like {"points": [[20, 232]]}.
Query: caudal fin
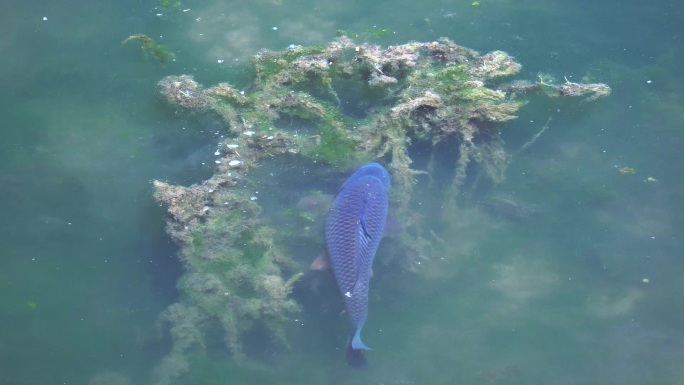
{"points": [[355, 357]]}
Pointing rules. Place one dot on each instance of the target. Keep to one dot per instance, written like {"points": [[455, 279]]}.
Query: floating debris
{"points": [[626, 170]]}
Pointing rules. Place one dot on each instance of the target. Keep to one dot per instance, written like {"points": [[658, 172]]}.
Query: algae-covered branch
{"points": [[351, 103]]}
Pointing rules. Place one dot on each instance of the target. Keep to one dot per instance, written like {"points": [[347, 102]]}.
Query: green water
{"points": [[559, 297]]}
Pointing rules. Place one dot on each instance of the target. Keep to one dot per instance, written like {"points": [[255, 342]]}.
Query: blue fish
{"points": [[353, 232]]}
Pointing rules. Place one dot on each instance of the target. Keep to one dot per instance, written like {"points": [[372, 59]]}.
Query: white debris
{"points": [[186, 10], [234, 163], [217, 161], [249, 133], [220, 61], [347, 294], [275, 28], [232, 145], [253, 198], [44, 18], [270, 137], [645, 280], [217, 153]]}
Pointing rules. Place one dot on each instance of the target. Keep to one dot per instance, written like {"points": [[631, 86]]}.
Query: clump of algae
{"points": [[434, 92], [151, 48]]}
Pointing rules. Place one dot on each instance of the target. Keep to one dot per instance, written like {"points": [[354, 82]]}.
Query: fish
{"points": [[354, 228]]}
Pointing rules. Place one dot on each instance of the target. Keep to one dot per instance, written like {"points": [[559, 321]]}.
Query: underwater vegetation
{"points": [[169, 5], [361, 102], [150, 48]]}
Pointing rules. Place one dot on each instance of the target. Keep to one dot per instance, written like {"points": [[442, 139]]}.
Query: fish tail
{"points": [[356, 342], [355, 358]]}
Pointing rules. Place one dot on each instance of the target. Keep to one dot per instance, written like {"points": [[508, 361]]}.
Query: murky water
{"points": [[568, 272]]}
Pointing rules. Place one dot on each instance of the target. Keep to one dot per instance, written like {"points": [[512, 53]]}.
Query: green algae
{"points": [[238, 270], [169, 6], [157, 51]]}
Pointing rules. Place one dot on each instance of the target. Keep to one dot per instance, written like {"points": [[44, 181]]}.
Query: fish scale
{"points": [[354, 229]]}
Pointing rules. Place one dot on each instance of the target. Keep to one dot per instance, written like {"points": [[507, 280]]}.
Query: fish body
{"points": [[354, 228]]}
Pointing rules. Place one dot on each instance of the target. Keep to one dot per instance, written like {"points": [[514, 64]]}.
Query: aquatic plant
{"points": [[169, 6], [151, 48], [233, 275], [352, 103]]}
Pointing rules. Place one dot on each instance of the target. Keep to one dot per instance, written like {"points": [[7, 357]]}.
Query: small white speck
{"points": [[347, 294], [249, 133], [253, 198], [44, 18], [645, 280], [217, 153], [648, 82], [232, 145], [242, 92], [159, 14], [220, 61], [217, 161], [186, 10], [234, 163], [275, 28]]}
